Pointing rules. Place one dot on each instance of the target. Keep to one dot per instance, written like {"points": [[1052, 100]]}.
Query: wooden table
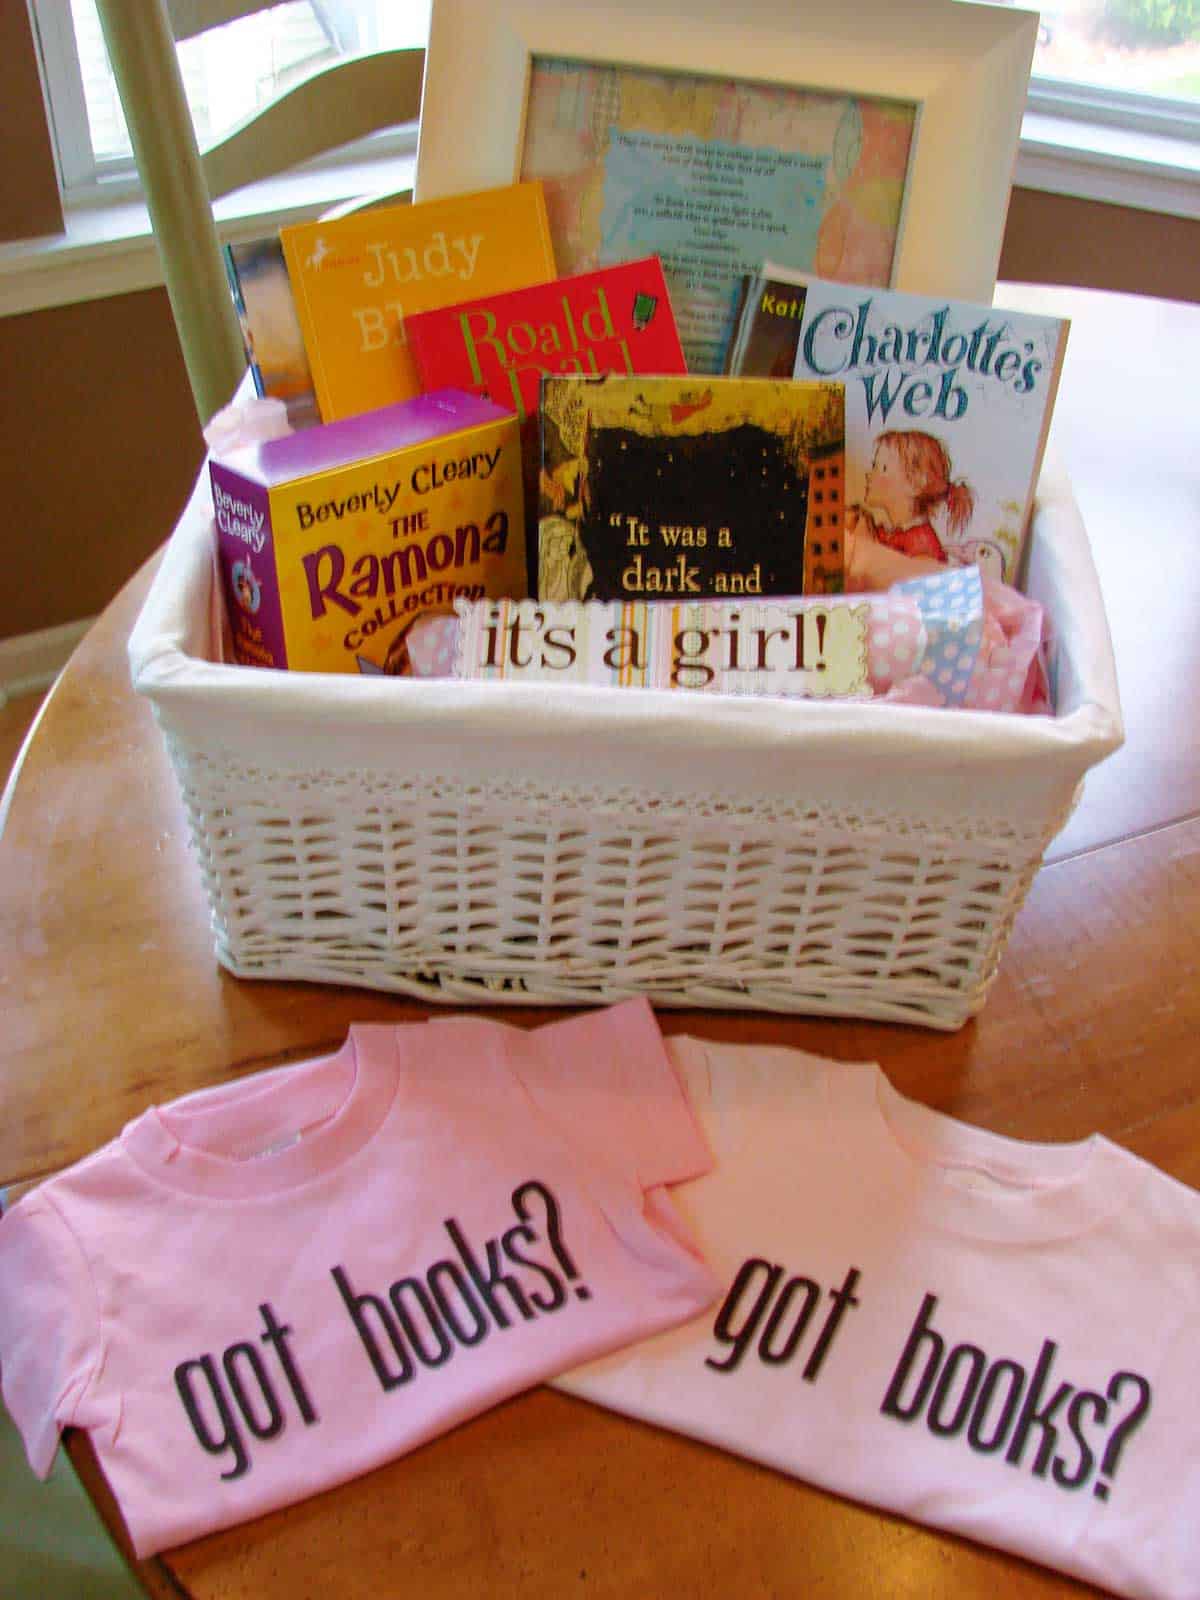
{"points": [[112, 1001]]}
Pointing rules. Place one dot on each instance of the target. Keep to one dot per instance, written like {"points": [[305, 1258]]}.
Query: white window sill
{"points": [[108, 247], [1122, 166]]}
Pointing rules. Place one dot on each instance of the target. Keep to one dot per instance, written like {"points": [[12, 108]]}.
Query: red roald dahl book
{"points": [[616, 319]]}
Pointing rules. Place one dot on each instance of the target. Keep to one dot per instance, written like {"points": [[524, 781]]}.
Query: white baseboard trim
{"points": [[32, 661]]}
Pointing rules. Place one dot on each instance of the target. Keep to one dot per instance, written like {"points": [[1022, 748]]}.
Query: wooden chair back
{"points": [[351, 98]]}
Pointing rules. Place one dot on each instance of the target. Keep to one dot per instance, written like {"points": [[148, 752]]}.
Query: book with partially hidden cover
{"points": [[616, 319], [262, 297], [948, 405], [356, 278], [659, 487], [766, 326]]}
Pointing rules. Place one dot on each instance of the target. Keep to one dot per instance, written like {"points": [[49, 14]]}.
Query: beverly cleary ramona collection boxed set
{"points": [[332, 540]]}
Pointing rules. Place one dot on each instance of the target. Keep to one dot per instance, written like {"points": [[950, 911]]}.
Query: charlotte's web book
{"points": [[689, 488], [947, 407], [357, 277]]}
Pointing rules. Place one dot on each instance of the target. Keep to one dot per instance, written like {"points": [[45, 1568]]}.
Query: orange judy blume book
{"points": [[355, 279]]}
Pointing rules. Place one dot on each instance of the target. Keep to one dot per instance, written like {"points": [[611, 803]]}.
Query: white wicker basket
{"points": [[504, 842]]}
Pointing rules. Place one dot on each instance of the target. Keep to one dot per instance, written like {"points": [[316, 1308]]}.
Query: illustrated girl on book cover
{"points": [[908, 495]]}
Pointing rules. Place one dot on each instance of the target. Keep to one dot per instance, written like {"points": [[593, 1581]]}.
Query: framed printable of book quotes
{"points": [[870, 143]]}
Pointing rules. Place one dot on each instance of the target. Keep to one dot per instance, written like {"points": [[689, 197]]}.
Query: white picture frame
{"points": [[965, 68]]}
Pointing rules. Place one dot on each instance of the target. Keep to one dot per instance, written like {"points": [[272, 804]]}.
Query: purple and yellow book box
{"points": [[333, 540]]}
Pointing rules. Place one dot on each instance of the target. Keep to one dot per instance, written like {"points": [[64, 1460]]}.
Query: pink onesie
{"points": [[267, 1288]]}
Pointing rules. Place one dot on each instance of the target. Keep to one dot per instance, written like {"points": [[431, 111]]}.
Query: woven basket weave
{"points": [[505, 842]]}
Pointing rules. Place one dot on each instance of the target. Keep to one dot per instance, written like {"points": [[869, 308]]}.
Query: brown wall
{"points": [[29, 203], [101, 444], [1051, 238]]}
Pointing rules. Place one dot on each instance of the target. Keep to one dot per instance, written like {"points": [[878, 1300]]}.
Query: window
{"points": [[1113, 114], [1134, 63], [229, 71], [1141, 55], [1114, 103]]}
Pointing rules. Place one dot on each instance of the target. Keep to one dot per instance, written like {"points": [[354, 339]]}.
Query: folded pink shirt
{"points": [[988, 1335], [270, 1287]]}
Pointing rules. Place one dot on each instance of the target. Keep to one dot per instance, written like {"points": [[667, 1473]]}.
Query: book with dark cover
{"points": [[660, 487], [766, 328]]}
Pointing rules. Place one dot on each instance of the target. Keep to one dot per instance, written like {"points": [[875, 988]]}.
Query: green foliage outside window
{"points": [[1134, 22]]}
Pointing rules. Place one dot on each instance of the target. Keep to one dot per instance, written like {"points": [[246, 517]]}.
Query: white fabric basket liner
{"points": [[569, 844]]}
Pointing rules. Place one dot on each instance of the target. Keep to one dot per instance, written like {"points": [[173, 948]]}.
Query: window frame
{"points": [[88, 181], [84, 180], [1115, 108], [62, 83]]}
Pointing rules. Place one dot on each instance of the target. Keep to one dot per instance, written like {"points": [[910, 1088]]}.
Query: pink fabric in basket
{"points": [[1011, 672], [1008, 672]]}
